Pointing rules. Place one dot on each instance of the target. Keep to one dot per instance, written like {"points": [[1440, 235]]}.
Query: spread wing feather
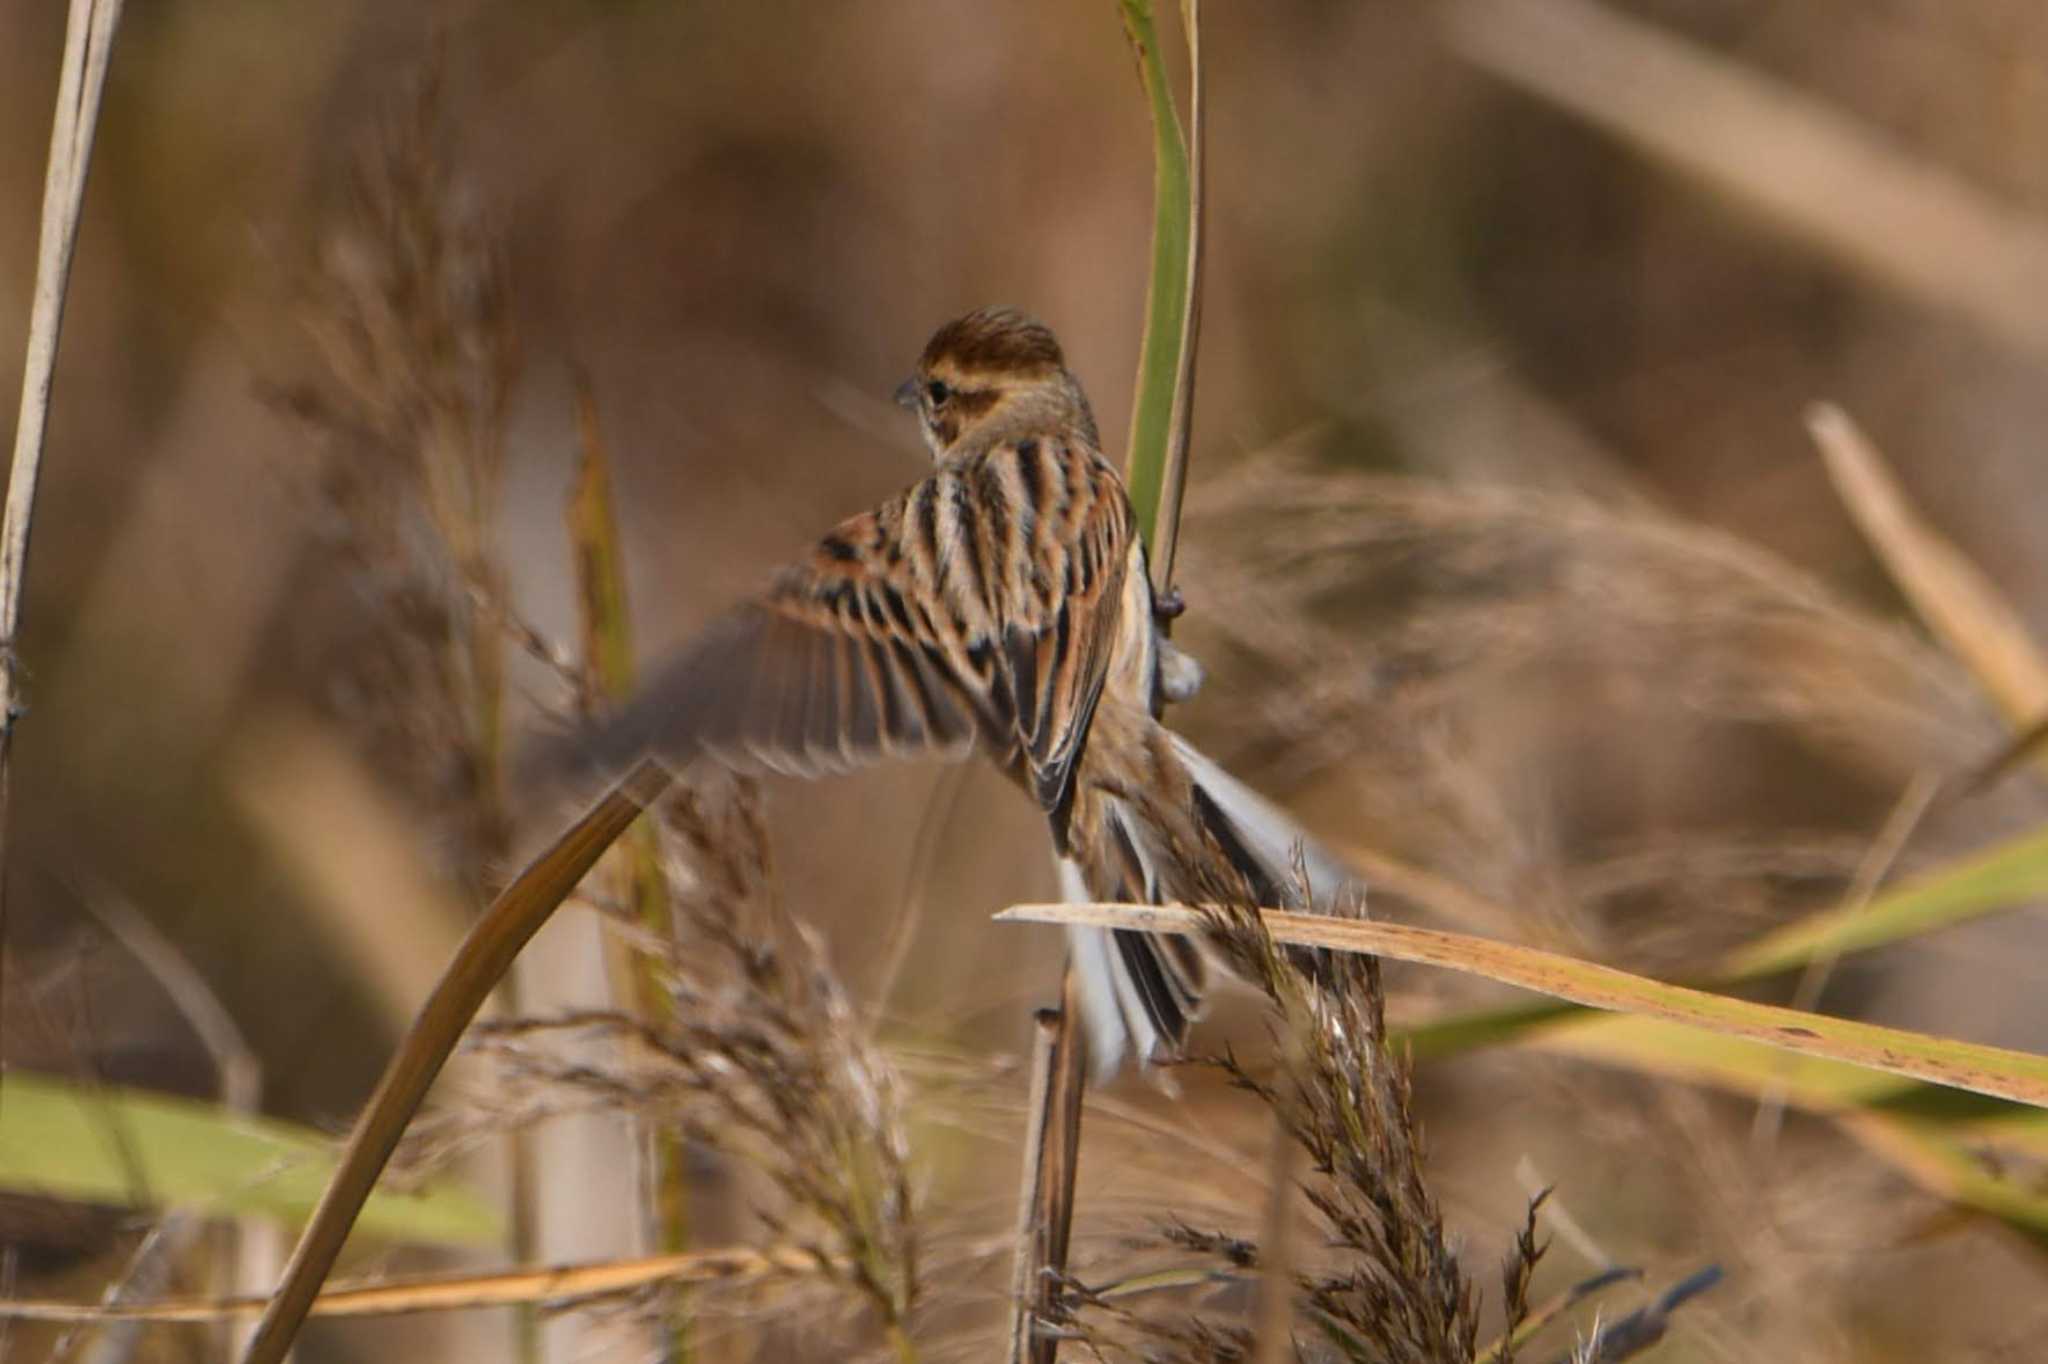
{"points": [[977, 606]]}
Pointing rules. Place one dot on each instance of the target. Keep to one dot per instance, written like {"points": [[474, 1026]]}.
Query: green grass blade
{"points": [[2010, 874], [1483, 1028], [1998, 1071], [1166, 294], [1926, 1132], [135, 1149], [1811, 1083], [636, 874]]}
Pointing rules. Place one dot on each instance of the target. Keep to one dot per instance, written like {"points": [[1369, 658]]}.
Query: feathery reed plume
{"points": [[1514, 578], [764, 1057], [1397, 1293], [407, 309], [1387, 1288], [1390, 1290]]}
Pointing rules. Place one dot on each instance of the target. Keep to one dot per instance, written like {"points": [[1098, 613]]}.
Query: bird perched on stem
{"points": [[1003, 605]]}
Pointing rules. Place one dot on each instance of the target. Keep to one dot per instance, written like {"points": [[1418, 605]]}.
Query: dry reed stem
{"points": [[1957, 602], [1996, 1071], [2024, 747], [1028, 1279], [545, 1286], [479, 964], [88, 44], [1062, 1154], [1820, 174]]}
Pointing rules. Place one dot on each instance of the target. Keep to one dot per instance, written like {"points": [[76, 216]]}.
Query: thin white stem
{"points": [[87, 42], [88, 38]]}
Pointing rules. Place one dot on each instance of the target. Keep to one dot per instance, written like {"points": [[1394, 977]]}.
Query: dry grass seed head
{"points": [[406, 305], [1513, 578], [764, 1059], [1388, 1288]]}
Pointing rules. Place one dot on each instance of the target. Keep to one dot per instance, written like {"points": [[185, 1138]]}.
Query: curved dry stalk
{"points": [[479, 964], [453, 1292], [1840, 184], [1951, 594]]}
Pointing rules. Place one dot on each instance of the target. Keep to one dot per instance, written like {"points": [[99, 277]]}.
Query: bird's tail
{"points": [[1140, 992]]}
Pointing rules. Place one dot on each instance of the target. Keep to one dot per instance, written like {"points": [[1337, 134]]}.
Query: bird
{"points": [[1001, 605]]}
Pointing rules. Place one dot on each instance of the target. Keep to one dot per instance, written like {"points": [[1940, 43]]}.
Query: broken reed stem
{"points": [[88, 42], [1069, 1076], [1052, 1148], [1028, 1267]]}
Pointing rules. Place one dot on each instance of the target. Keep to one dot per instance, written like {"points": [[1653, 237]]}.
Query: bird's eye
{"points": [[938, 392]]}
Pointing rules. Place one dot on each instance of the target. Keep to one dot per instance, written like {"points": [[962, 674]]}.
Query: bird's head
{"points": [[988, 375]]}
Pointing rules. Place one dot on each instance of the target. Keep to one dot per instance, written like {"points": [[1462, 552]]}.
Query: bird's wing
{"points": [[1064, 533], [971, 607]]}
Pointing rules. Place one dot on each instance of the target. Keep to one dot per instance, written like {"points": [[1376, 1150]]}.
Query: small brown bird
{"points": [[1001, 604]]}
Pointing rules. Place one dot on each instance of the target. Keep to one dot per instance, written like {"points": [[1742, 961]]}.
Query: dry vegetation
{"points": [[1506, 548]]}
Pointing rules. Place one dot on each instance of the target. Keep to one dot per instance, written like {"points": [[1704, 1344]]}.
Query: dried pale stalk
{"points": [[1819, 173], [1958, 603], [88, 43], [1996, 1071], [458, 1292], [1027, 1276]]}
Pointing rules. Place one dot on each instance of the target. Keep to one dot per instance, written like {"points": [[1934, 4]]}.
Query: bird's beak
{"points": [[906, 394]]}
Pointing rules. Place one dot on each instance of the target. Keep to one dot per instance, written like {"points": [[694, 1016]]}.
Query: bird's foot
{"points": [[1180, 675], [1168, 605]]}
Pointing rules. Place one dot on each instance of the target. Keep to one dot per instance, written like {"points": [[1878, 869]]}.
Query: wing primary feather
{"points": [[918, 706], [763, 684], [866, 722]]}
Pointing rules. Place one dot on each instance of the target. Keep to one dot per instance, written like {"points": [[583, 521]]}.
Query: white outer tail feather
{"points": [[1112, 1006]]}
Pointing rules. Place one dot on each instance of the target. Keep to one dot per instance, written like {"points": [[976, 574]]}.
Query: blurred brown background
{"points": [[741, 221]]}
